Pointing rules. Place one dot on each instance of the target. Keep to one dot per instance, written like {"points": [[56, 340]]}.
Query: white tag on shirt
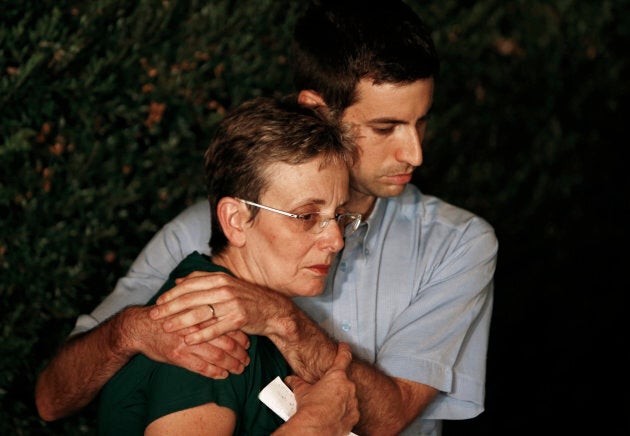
{"points": [[279, 398]]}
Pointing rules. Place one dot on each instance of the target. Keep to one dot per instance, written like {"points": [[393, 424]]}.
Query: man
{"points": [[412, 290]]}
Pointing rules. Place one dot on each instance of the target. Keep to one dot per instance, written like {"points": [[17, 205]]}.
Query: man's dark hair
{"points": [[337, 43]]}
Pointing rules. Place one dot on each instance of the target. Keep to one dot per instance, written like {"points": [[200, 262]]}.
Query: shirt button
{"points": [[342, 266], [345, 326], [367, 252]]}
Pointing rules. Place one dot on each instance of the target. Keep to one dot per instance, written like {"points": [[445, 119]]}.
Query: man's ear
{"points": [[233, 216], [309, 98]]}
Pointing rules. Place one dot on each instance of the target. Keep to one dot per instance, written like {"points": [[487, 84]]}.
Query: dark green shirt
{"points": [[145, 390]]}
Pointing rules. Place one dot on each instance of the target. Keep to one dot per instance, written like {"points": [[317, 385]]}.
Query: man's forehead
{"points": [[392, 102]]}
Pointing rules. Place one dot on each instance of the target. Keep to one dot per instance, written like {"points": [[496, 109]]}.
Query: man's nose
{"points": [[410, 151]]}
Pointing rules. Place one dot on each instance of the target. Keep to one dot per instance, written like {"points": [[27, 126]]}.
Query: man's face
{"points": [[390, 123]]}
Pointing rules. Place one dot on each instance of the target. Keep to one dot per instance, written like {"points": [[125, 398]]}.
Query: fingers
{"points": [[195, 281], [218, 363], [232, 340], [228, 320], [201, 315], [205, 359], [206, 334], [193, 274], [190, 309], [180, 304], [295, 383], [233, 352], [200, 323], [241, 338], [237, 305], [214, 359], [343, 357], [204, 368]]}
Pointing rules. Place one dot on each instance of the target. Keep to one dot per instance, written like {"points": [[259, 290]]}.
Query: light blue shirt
{"points": [[412, 292]]}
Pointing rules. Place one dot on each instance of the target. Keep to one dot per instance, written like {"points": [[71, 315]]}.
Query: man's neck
{"points": [[361, 203]]}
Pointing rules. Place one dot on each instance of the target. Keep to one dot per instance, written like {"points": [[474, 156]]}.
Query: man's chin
{"points": [[391, 190]]}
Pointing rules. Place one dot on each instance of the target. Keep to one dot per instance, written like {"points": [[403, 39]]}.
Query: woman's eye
{"points": [[307, 216]]}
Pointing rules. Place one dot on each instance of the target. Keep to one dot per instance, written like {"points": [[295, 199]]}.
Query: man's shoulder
{"points": [[192, 224], [437, 226], [430, 210], [199, 210]]}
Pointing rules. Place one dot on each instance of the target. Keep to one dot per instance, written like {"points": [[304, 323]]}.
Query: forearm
{"points": [[387, 404], [308, 349], [306, 425], [81, 367]]}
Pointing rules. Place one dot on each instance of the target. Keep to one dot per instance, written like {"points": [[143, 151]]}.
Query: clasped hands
{"points": [[218, 309]]}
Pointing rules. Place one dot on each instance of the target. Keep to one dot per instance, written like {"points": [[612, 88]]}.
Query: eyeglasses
{"points": [[316, 222]]}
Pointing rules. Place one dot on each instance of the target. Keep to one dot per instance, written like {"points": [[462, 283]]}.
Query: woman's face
{"points": [[279, 253]]}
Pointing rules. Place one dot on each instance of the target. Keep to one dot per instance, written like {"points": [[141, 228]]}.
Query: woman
{"points": [[277, 179]]}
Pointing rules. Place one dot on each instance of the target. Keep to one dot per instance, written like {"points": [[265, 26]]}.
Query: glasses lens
{"points": [[316, 222], [311, 222], [348, 223]]}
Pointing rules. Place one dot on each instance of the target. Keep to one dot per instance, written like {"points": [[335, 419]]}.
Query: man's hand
{"points": [[327, 407], [236, 305], [216, 358]]}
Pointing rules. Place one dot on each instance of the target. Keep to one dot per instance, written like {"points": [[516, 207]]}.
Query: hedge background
{"points": [[106, 107]]}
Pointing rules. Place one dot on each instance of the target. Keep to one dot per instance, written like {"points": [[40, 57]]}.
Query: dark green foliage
{"points": [[106, 107]]}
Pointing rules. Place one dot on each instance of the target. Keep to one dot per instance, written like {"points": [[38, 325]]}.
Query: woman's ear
{"points": [[233, 217], [309, 98]]}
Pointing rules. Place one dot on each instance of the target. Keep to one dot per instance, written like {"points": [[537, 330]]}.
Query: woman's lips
{"points": [[320, 269]]}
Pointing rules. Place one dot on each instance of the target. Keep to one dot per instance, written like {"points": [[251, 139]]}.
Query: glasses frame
{"points": [[353, 226]]}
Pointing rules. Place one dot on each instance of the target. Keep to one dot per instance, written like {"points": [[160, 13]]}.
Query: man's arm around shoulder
{"points": [[82, 366]]}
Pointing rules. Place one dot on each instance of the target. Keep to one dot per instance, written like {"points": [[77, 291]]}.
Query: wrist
{"points": [[300, 423], [284, 325], [315, 424], [126, 331]]}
